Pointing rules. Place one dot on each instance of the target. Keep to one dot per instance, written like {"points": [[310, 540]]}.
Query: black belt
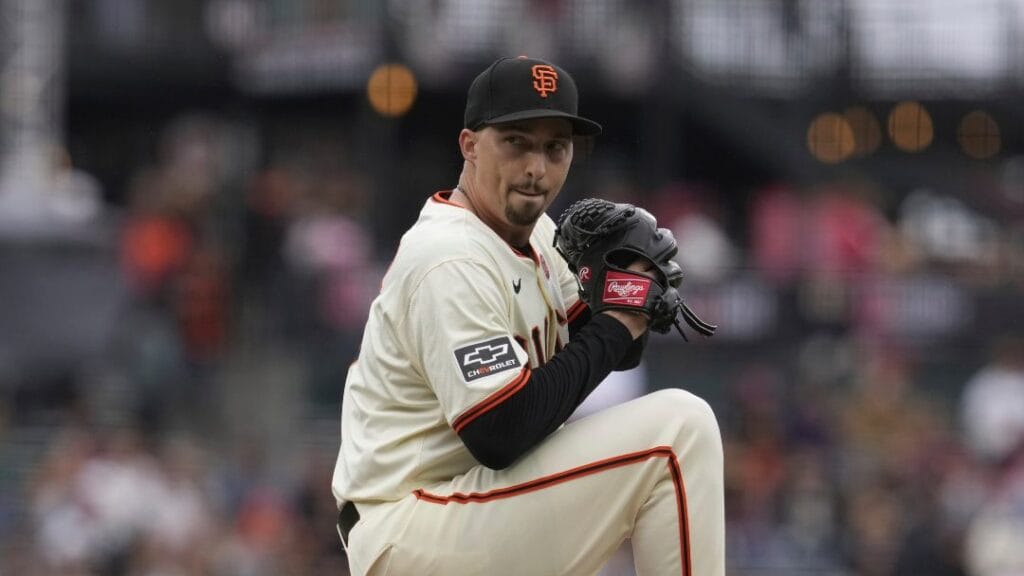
{"points": [[347, 518]]}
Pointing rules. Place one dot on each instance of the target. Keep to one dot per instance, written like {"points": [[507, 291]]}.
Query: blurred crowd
{"points": [[117, 502], [202, 442]]}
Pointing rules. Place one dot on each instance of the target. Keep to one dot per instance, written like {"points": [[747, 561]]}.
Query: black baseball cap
{"points": [[524, 88]]}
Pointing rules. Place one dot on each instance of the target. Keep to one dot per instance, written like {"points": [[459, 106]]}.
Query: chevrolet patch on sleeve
{"points": [[486, 358]]}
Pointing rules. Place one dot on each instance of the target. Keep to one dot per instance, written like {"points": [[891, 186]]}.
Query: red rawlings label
{"points": [[622, 289]]}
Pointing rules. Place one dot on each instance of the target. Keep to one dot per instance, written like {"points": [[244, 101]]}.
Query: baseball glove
{"points": [[600, 239]]}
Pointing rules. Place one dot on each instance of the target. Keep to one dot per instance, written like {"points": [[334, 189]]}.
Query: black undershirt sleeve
{"points": [[636, 351], [501, 435]]}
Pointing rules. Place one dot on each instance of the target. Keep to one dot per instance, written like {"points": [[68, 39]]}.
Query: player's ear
{"points": [[467, 144]]}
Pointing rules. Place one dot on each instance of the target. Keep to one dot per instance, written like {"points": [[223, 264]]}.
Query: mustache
{"points": [[531, 187]]}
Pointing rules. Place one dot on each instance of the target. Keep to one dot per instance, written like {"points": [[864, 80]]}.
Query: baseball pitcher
{"points": [[493, 324]]}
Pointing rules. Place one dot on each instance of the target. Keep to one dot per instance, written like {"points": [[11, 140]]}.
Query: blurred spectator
{"points": [[833, 233], [113, 503], [809, 517], [62, 521], [270, 198], [776, 231], [888, 425], [843, 232], [154, 247], [174, 258], [93, 500], [706, 253], [328, 251], [894, 442], [992, 405], [170, 203], [180, 518], [329, 242], [874, 528], [993, 540], [950, 234], [201, 307], [756, 422], [74, 195]]}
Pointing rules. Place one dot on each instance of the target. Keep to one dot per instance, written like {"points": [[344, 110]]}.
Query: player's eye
{"points": [[557, 148]]}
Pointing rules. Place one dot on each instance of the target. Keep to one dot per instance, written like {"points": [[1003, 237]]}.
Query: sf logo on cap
{"points": [[545, 79]]}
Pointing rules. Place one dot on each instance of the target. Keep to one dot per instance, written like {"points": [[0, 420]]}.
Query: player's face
{"points": [[520, 168]]}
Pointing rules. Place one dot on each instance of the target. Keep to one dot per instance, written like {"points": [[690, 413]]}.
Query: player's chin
{"points": [[527, 210]]}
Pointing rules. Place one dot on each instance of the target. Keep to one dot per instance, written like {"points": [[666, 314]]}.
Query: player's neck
{"points": [[513, 235]]}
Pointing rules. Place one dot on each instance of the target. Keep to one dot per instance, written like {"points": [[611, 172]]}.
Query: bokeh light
{"points": [[910, 127], [830, 138], [391, 90], [978, 135], [867, 133]]}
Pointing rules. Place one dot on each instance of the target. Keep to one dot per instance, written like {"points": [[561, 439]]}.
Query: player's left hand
{"points": [[623, 261]]}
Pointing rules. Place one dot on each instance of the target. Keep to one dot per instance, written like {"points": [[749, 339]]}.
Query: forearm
{"points": [[632, 357], [498, 437]]}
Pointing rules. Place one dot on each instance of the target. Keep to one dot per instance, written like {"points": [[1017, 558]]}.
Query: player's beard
{"points": [[526, 212]]}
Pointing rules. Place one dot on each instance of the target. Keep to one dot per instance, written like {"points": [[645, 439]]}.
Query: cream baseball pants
{"points": [[649, 470]]}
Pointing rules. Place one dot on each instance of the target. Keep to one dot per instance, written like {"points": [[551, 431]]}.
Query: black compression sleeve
{"points": [[633, 355], [635, 352], [579, 321], [501, 435]]}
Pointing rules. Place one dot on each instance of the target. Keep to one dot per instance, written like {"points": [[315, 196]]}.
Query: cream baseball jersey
{"points": [[461, 319]]}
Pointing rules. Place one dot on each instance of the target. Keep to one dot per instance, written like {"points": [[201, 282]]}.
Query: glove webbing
{"points": [[583, 222]]}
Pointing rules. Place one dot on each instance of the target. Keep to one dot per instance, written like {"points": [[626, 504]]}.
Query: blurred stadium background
{"points": [[198, 199]]}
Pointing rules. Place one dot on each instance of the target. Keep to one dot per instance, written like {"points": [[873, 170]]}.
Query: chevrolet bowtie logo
{"points": [[482, 359], [485, 354]]}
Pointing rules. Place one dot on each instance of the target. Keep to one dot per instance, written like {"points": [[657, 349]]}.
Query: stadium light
{"points": [[391, 90], [978, 135], [830, 138], [867, 133], [910, 126]]}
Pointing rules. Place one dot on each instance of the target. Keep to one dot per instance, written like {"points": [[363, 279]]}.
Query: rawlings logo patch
{"points": [[625, 289], [585, 274], [486, 358]]}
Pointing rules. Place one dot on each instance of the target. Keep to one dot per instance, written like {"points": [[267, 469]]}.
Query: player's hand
{"points": [[635, 322], [599, 239], [643, 266]]}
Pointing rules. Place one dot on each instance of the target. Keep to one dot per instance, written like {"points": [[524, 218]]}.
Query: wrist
{"points": [[635, 322]]}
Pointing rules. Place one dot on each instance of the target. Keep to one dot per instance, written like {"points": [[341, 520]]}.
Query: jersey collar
{"points": [[444, 197]]}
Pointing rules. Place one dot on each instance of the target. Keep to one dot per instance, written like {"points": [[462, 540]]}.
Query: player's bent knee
{"points": [[681, 401], [694, 415]]}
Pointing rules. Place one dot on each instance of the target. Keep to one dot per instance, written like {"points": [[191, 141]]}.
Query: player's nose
{"points": [[536, 166]]}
